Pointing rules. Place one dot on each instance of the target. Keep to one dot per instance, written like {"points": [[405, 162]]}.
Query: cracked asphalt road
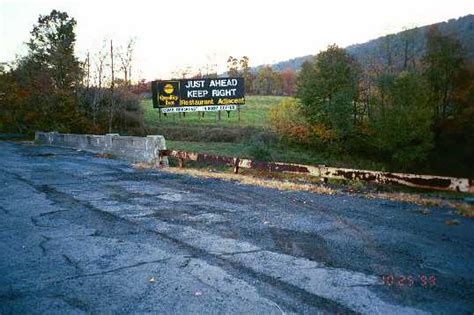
{"points": [[80, 234]]}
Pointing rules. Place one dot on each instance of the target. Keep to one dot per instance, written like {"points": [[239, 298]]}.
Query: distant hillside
{"points": [[461, 28]]}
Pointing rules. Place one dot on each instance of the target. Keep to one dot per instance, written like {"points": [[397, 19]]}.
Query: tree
{"points": [[52, 47], [328, 90], [232, 67], [246, 73], [50, 74], [267, 81], [403, 133], [409, 37], [444, 65], [387, 52], [288, 81], [126, 61]]}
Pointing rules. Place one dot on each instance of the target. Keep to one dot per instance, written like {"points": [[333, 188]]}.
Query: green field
{"points": [[252, 114]]}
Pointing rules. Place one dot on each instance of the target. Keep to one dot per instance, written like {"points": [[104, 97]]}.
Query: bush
{"points": [[288, 121]]}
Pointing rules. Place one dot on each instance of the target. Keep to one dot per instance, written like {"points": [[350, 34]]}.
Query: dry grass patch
{"points": [[466, 211], [142, 166], [292, 182], [462, 209], [251, 180], [413, 198]]}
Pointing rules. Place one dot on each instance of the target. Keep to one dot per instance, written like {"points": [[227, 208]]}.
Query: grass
{"points": [[252, 114]]}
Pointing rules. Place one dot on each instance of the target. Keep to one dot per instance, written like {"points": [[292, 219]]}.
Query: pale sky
{"points": [[174, 34]]}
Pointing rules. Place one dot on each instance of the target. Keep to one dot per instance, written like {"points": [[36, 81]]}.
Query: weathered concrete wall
{"points": [[134, 149]]}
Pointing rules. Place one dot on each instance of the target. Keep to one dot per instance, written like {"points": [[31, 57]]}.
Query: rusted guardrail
{"points": [[412, 180]]}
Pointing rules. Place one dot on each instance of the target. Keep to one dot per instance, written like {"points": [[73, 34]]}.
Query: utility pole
{"points": [[112, 99]]}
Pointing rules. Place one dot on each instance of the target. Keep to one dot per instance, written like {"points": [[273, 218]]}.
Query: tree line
{"points": [[51, 89], [412, 114], [263, 80]]}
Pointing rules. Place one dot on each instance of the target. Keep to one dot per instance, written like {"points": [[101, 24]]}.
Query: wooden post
{"points": [[238, 112], [236, 165]]}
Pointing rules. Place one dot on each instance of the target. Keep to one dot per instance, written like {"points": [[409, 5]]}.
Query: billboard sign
{"points": [[198, 94]]}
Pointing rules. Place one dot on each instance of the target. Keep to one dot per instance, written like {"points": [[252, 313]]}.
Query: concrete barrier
{"points": [[134, 149]]}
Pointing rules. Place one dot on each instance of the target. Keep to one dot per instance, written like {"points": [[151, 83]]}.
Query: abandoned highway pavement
{"points": [[82, 234]]}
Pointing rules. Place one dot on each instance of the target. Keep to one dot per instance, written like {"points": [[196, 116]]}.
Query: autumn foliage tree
{"points": [[47, 79]]}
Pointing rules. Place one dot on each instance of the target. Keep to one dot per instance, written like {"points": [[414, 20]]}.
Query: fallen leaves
{"points": [[452, 222], [104, 155]]}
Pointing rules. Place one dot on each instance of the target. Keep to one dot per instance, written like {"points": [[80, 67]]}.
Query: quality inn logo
{"points": [[168, 88]]}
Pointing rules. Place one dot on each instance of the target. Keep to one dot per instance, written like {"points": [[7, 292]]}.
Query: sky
{"points": [[175, 34]]}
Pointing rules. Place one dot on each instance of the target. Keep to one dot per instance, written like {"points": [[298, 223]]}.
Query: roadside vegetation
{"points": [[50, 89]]}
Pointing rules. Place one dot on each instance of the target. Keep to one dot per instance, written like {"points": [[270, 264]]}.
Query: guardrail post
{"points": [[236, 165]]}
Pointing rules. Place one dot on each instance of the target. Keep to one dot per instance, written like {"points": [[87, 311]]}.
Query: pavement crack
{"points": [[95, 274], [74, 302], [185, 263], [242, 252], [51, 212], [73, 263], [4, 210], [35, 223], [42, 243]]}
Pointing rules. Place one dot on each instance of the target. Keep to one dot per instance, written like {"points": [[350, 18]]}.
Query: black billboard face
{"points": [[199, 92]]}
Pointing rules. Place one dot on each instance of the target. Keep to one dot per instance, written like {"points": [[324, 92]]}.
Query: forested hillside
{"points": [[395, 46]]}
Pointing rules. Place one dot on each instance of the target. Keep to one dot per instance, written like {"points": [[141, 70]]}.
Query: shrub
{"points": [[288, 121]]}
